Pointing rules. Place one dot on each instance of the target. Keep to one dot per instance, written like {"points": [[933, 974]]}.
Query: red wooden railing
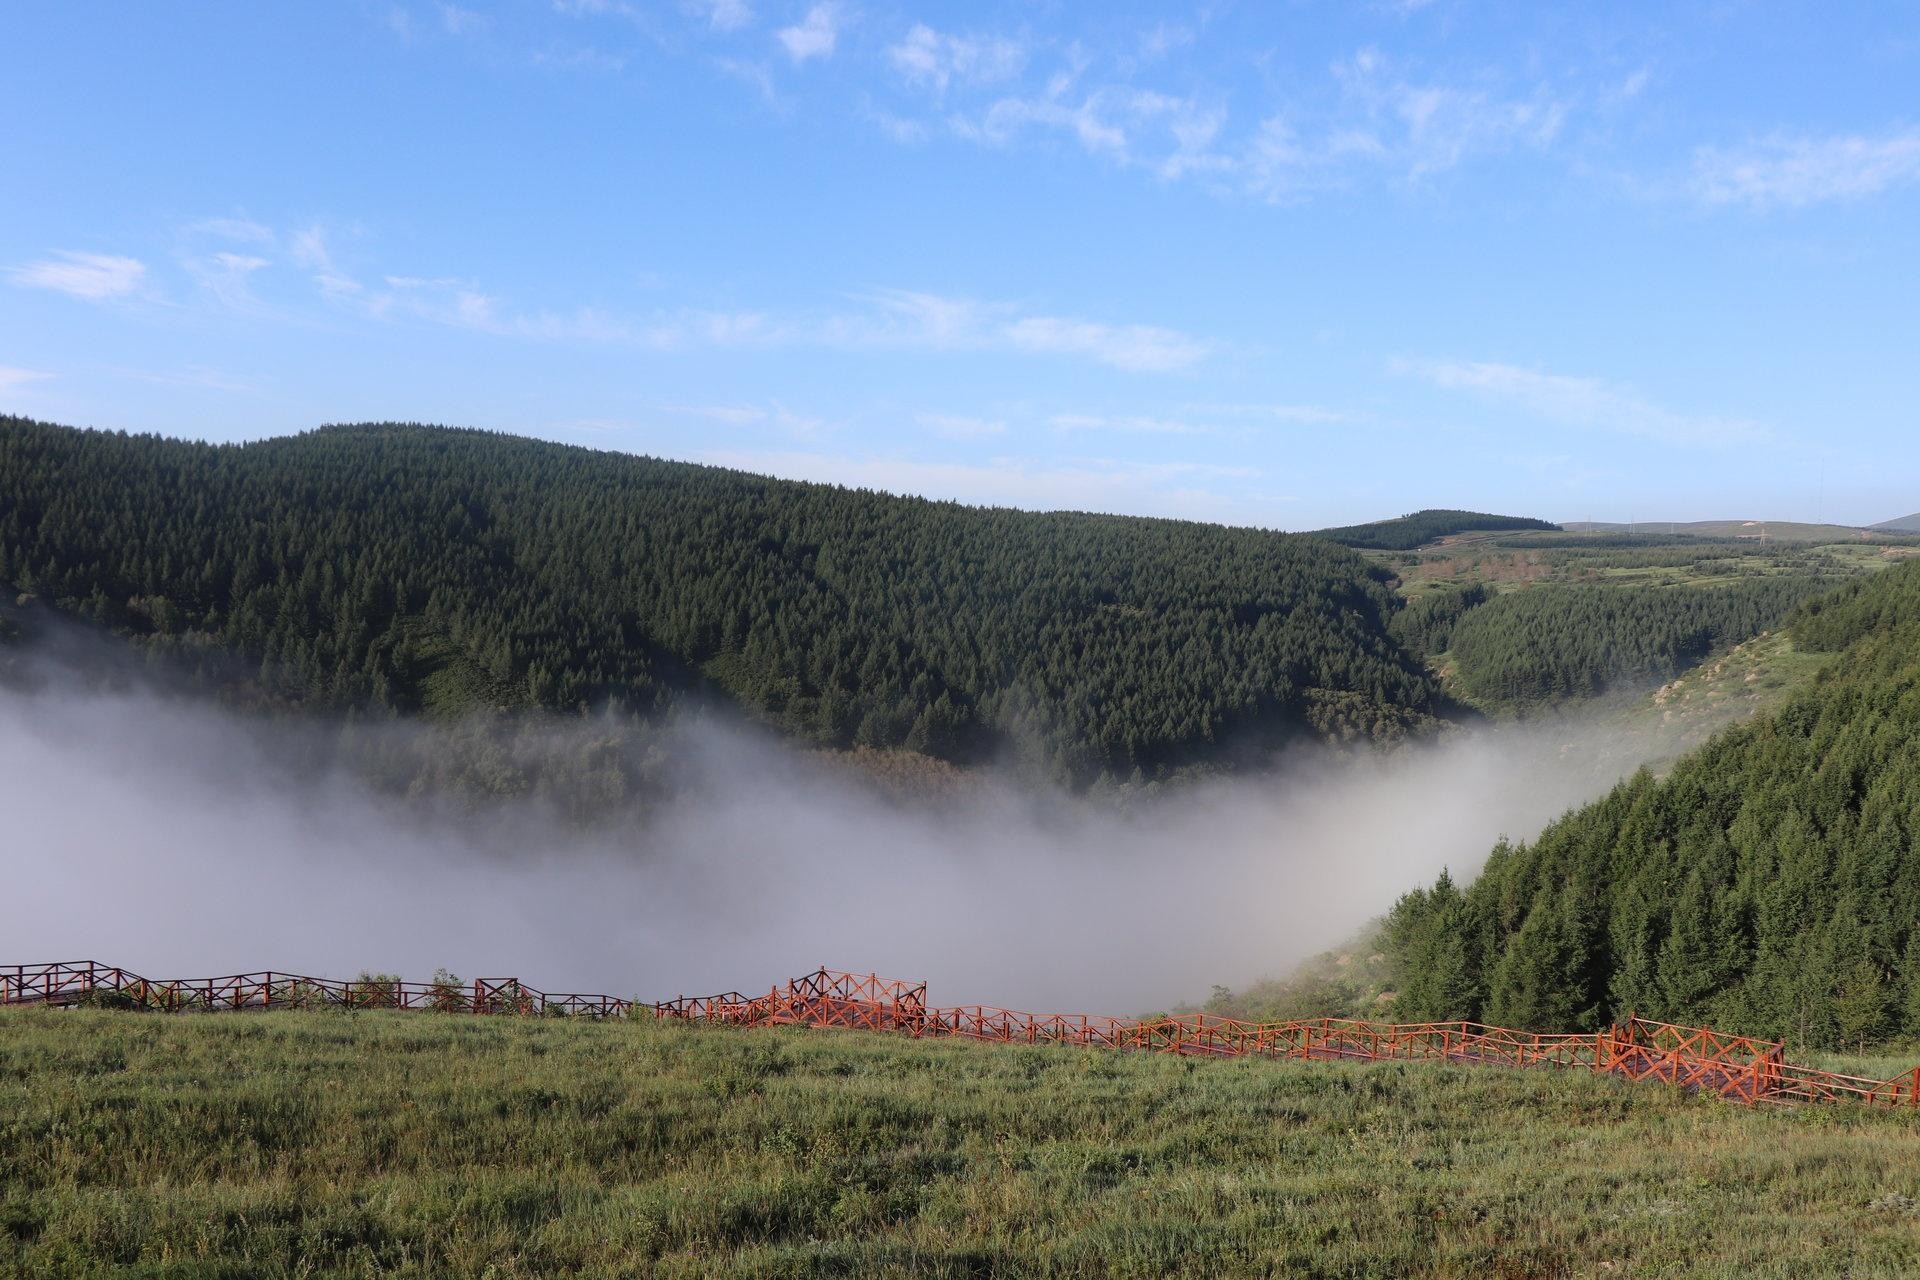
{"points": [[89, 982], [1692, 1058]]}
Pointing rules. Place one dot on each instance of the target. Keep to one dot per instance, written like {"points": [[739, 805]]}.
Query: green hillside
{"points": [[1770, 882], [1548, 644], [1422, 527], [417, 569], [1905, 524], [418, 1145]]}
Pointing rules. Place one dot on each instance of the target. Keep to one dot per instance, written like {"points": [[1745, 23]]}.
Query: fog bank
{"points": [[157, 834]]}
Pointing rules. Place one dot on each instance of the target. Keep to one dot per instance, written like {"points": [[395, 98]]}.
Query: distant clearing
{"points": [[1758, 530]]}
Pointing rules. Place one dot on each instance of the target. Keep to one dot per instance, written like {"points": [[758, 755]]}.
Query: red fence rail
{"points": [[1696, 1059]]}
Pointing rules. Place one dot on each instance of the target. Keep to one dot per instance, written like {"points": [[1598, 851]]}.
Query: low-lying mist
{"points": [[174, 838]]}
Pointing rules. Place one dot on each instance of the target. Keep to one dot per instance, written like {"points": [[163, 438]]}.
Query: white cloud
{"points": [[1303, 414], [1163, 39], [13, 380], [953, 426], [896, 319], [93, 276], [309, 249], [1630, 88], [578, 58], [937, 59], [1112, 122], [1129, 424], [912, 319], [463, 22], [1579, 402], [1381, 120], [1803, 171], [196, 377], [732, 415], [242, 229], [723, 15], [900, 129], [815, 35], [1429, 128], [227, 276], [1140, 347]]}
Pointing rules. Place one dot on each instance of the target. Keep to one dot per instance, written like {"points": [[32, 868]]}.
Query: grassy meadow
{"points": [[329, 1144]]}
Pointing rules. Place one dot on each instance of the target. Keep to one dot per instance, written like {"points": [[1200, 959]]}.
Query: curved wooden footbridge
{"points": [[1697, 1059]]}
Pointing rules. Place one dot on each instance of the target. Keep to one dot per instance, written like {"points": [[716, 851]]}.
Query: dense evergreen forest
{"points": [[1771, 882], [1554, 643], [1422, 527], [403, 568]]}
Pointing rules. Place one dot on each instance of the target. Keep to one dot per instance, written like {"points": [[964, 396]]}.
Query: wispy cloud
{"points": [[1147, 348], [578, 58], [926, 319], [1130, 424], [227, 276], [1581, 402], [95, 277], [13, 380], [959, 427], [723, 15], [813, 36], [463, 22], [310, 249], [774, 414], [1312, 415], [1797, 171], [244, 230], [937, 59], [1384, 120], [1173, 135], [197, 377], [879, 319], [1394, 123], [731, 415]]}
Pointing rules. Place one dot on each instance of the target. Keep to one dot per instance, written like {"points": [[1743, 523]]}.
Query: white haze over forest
{"points": [[155, 833]]}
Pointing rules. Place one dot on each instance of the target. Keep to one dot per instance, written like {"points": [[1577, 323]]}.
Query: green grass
{"points": [[318, 1144]]}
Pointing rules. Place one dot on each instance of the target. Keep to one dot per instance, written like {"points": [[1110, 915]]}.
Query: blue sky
{"points": [[1284, 263]]}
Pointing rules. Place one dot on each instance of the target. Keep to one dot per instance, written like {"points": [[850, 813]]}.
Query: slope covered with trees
{"points": [[1553, 643], [1771, 882], [411, 568], [1422, 527]]}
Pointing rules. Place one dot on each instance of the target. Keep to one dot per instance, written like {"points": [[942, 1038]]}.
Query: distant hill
{"points": [[1422, 527], [1905, 524], [1756, 530], [408, 569]]}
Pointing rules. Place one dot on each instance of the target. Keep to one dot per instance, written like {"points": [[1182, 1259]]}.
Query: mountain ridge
{"points": [[403, 568]]}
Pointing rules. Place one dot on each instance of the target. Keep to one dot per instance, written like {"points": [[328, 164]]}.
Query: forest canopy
{"points": [[1422, 527], [1770, 882], [404, 568]]}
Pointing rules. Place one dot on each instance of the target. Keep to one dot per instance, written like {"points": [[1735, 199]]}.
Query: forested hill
{"points": [[1770, 883], [416, 568], [1422, 527]]}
